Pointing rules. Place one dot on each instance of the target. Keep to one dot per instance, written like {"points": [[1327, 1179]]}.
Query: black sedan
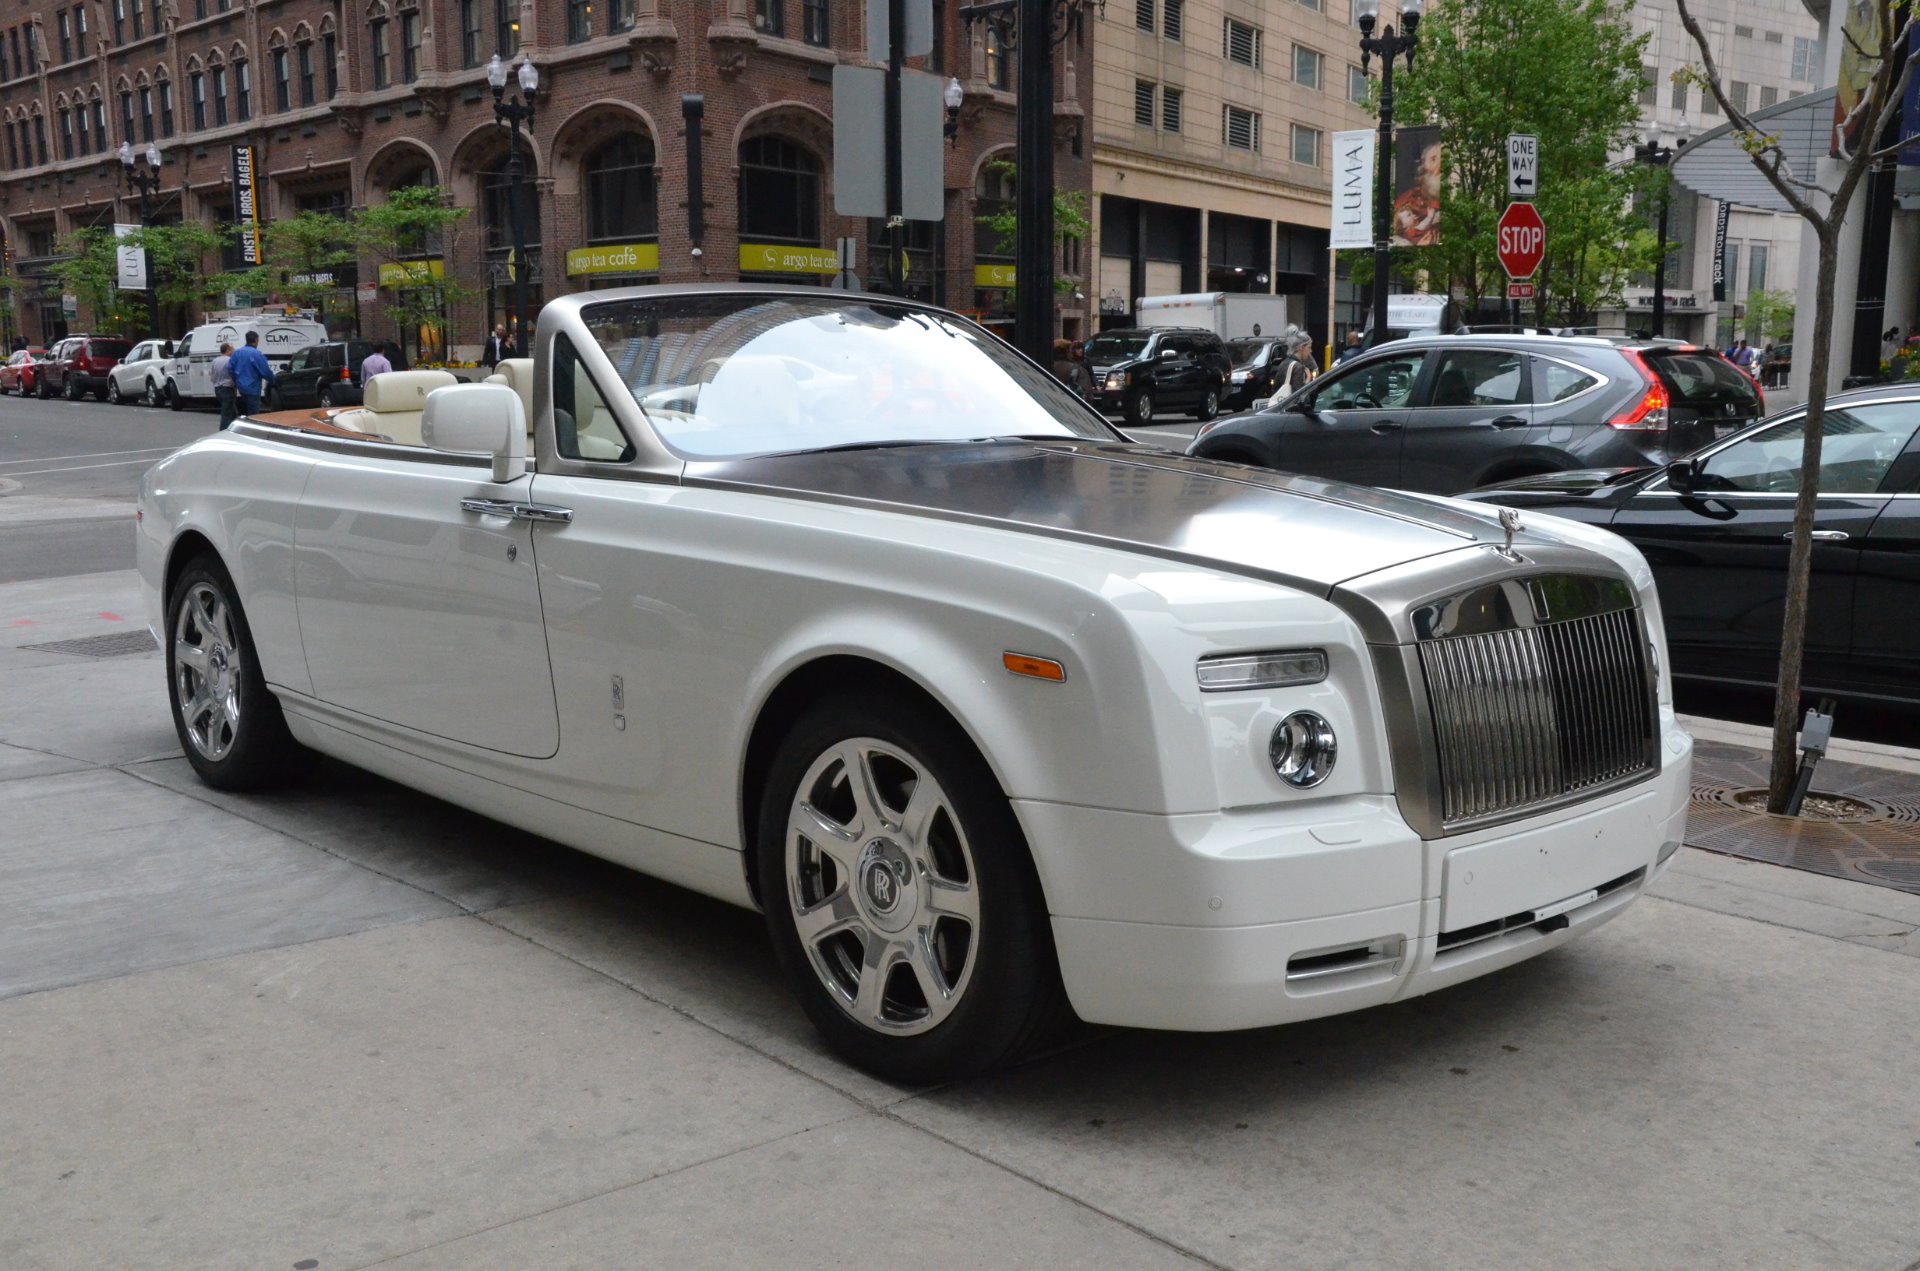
{"points": [[1715, 529]]}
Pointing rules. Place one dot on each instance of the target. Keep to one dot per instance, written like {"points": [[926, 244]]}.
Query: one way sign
{"points": [[1523, 166]]}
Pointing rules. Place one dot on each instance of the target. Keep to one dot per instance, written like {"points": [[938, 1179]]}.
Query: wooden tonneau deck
{"points": [[314, 421]]}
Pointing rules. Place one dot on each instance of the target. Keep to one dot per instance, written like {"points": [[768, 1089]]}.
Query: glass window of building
{"points": [[621, 202], [382, 57], [779, 192], [579, 21], [409, 45], [1306, 146], [1309, 67], [470, 33], [303, 53], [769, 16], [243, 88], [282, 81], [814, 27]]}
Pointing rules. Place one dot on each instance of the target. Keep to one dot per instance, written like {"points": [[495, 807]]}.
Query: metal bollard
{"points": [[1815, 732]]}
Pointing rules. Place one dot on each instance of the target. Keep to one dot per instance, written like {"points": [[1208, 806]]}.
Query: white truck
{"points": [[1231, 315], [190, 372]]}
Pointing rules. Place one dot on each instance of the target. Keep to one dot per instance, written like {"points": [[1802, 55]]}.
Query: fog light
{"points": [[1303, 749]]}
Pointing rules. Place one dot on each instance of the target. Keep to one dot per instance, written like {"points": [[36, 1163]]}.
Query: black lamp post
{"points": [[1656, 155], [513, 114], [1388, 45], [953, 97], [145, 183]]}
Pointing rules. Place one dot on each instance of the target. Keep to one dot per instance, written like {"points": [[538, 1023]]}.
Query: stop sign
{"points": [[1522, 240]]}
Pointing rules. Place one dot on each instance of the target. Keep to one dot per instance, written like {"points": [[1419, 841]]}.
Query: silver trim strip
{"points": [[372, 447]]}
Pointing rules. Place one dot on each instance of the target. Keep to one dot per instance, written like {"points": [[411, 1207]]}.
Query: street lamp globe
{"points": [[497, 75], [153, 156], [529, 79], [1412, 9], [126, 154], [953, 94], [1366, 13]]}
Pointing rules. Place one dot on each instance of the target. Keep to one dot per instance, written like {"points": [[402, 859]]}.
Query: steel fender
{"points": [[242, 497]]}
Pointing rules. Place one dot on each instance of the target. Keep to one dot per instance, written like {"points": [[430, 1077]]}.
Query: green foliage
{"points": [[416, 222], [297, 252], [1069, 218], [1576, 86], [176, 262], [1770, 316], [89, 273]]}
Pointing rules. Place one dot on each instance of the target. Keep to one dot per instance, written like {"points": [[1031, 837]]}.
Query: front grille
{"points": [[1538, 715]]}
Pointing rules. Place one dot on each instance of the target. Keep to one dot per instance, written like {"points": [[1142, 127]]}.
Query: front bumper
{"points": [[1209, 923]]}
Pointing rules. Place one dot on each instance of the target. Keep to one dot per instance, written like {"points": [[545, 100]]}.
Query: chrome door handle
{"points": [[519, 511], [1822, 536], [1384, 427]]}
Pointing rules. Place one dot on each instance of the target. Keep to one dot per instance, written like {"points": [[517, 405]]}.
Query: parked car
{"points": [[1138, 372], [1448, 413], [870, 623], [1715, 527], [80, 365], [1256, 371], [19, 373], [325, 374], [141, 375]]}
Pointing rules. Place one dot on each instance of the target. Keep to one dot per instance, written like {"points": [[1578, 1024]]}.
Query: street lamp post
{"points": [[513, 114], [1387, 45], [1656, 155], [145, 183]]}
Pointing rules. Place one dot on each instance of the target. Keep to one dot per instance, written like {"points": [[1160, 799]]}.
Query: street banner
{"points": [[1416, 186], [1860, 31], [131, 262], [246, 204], [1353, 162], [1720, 254]]}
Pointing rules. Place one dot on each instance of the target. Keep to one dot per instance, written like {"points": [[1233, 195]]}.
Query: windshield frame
{"points": [[656, 453]]}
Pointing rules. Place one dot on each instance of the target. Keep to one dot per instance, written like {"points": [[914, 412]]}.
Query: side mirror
{"points": [[1682, 474], [483, 419], [1167, 353]]}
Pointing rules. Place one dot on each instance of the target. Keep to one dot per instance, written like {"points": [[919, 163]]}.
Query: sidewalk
{"points": [[345, 1026]]}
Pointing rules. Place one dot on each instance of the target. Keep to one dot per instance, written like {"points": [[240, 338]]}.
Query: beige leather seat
{"points": [[517, 374], [393, 405]]}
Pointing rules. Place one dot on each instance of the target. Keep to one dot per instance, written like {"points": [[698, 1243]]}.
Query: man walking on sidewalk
{"points": [[251, 374], [223, 384]]}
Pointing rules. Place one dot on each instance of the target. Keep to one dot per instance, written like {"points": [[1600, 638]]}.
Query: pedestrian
{"points": [[1354, 344], [1297, 370], [1743, 356], [1068, 371], [223, 384], [374, 363], [1889, 344], [499, 347], [251, 374]]}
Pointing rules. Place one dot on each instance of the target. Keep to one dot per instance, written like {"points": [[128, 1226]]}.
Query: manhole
{"points": [[118, 645]]}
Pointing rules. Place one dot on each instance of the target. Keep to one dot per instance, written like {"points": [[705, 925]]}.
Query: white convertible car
{"points": [[838, 607]]}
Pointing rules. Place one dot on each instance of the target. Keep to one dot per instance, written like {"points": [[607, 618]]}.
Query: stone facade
{"points": [[407, 102]]}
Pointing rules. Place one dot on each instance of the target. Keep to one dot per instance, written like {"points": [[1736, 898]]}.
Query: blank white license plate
{"points": [[1559, 907]]}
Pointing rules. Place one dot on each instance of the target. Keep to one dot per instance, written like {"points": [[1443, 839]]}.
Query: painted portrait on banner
{"points": [[1417, 174]]}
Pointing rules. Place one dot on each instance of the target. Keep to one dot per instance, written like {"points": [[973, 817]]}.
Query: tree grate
{"points": [[120, 644]]}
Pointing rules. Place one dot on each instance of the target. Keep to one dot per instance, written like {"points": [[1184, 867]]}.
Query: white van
{"points": [[190, 373]]}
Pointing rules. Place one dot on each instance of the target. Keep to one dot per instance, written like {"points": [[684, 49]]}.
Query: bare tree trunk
{"points": [[1793, 627]]}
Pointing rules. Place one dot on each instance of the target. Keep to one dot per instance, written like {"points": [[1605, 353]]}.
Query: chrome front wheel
{"points": [[207, 666], [882, 887], [228, 720]]}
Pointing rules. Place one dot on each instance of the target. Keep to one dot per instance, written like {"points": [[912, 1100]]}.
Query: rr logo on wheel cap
{"points": [[883, 889]]}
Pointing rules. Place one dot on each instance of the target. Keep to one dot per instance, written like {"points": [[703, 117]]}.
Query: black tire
{"points": [[73, 389], [326, 398], [173, 397], [113, 393], [151, 397], [239, 740], [40, 388], [1140, 408], [1209, 405], [1009, 996]]}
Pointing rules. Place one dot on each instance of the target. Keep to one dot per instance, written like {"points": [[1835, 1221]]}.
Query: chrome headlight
{"points": [[1117, 380], [1281, 668], [1238, 377], [1303, 749]]}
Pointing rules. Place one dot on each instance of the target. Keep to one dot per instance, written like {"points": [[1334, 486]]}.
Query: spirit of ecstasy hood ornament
{"points": [[1510, 522]]}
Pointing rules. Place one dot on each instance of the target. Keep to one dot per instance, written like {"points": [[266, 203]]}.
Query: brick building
{"points": [[346, 100]]}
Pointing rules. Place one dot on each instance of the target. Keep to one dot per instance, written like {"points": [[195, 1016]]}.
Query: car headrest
{"points": [[404, 390], [517, 374]]}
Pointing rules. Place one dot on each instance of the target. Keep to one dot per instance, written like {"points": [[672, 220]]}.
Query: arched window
{"points": [[164, 87], [409, 42], [282, 66], [496, 207], [217, 74], [382, 50], [242, 85], [620, 193], [779, 192], [126, 113], [329, 56]]}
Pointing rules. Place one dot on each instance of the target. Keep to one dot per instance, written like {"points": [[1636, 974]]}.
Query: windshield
{"points": [[1249, 352], [1702, 380], [1115, 348], [724, 376]]}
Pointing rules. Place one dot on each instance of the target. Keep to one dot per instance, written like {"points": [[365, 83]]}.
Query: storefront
{"points": [[613, 265], [415, 308], [788, 263]]}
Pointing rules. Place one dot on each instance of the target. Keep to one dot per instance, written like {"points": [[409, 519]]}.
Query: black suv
{"points": [[326, 374], [1452, 412], [1138, 372]]}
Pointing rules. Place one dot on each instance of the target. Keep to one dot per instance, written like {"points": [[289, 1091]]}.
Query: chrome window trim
{"points": [[371, 447]]}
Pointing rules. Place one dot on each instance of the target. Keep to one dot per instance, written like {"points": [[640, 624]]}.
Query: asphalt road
{"points": [[69, 472]]}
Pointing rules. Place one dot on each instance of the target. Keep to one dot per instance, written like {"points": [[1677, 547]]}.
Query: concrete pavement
{"points": [[344, 1025]]}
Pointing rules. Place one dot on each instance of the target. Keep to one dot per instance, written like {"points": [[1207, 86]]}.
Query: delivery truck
{"points": [[1231, 315]]}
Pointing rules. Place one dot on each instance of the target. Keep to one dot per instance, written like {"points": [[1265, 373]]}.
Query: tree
{"points": [[1770, 315], [1069, 218], [1876, 33], [90, 273], [176, 263], [413, 231], [1578, 92], [302, 257]]}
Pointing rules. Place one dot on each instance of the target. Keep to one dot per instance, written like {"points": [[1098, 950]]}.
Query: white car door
{"points": [[420, 608]]}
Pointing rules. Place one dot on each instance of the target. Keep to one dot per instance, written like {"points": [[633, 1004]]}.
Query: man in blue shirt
{"points": [[250, 372]]}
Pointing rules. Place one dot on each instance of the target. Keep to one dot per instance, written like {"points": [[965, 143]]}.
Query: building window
{"points": [[579, 20], [1240, 43], [1757, 268], [1709, 104], [382, 57], [1315, 5], [40, 145], [80, 120], [770, 16], [813, 22], [66, 133], [126, 114], [1774, 37], [1170, 99], [1143, 102], [119, 21], [166, 108], [1143, 15], [1172, 18], [243, 88], [1743, 33], [1649, 85], [779, 192], [1306, 146], [139, 19], [66, 36], [80, 28], [506, 28], [470, 33], [146, 114], [1309, 67], [1768, 96], [330, 63], [1358, 82], [409, 45], [1802, 59], [219, 95], [282, 82], [1679, 99], [1737, 94], [304, 52], [997, 65], [620, 15], [1239, 128], [197, 90], [621, 205]]}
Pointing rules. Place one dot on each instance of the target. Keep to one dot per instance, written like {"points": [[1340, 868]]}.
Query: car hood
{"points": [[1301, 531]]}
